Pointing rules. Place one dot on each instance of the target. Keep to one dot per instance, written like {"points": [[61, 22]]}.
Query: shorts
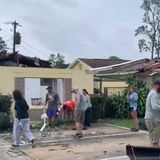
{"points": [[52, 113], [131, 109], [79, 116], [154, 130]]}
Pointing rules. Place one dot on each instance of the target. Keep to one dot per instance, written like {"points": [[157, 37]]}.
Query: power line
{"points": [[36, 49], [28, 51], [7, 40]]}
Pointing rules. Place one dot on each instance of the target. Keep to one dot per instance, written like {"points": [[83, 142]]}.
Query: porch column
{"points": [[100, 84]]}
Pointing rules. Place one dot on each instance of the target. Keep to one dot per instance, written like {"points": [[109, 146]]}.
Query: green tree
{"points": [[150, 30], [3, 45], [58, 61], [114, 57]]}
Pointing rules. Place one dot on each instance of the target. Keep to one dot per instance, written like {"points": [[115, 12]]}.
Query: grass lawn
{"points": [[124, 123]]}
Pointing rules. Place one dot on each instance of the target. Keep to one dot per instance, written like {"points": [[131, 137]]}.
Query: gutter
{"points": [[111, 66], [117, 74]]}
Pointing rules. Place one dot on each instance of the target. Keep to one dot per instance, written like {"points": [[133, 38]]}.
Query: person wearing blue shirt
{"points": [[133, 104]]}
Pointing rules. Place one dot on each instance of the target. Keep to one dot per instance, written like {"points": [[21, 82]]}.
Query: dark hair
{"points": [[17, 95], [49, 88], [84, 90], [134, 88]]}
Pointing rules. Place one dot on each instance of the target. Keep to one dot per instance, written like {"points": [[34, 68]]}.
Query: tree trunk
{"points": [[151, 56]]}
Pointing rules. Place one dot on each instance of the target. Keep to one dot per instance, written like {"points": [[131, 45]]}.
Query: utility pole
{"points": [[15, 24], [16, 37]]}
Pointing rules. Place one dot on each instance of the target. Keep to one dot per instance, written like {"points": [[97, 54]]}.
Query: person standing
{"points": [[79, 115], [152, 113], [22, 120], [52, 102], [133, 103], [87, 121]]}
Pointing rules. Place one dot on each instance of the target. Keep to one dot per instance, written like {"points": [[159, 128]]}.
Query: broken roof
{"points": [[8, 59], [145, 66]]}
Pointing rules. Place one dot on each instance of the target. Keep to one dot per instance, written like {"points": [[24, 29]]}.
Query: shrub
{"points": [[5, 106], [120, 106], [5, 103], [5, 122], [97, 107]]}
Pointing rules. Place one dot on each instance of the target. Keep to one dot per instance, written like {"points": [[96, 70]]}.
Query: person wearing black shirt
{"points": [[22, 120]]}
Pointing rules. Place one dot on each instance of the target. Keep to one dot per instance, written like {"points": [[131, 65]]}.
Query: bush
{"points": [[5, 103], [5, 122], [5, 107], [97, 107], [119, 106]]}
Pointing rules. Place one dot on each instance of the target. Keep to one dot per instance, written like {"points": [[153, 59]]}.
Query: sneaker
{"points": [[15, 145], [33, 143], [134, 129]]}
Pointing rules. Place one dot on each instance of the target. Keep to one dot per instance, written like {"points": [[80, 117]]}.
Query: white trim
{"points": [[78, 60], [154, 73], [111, 66], [117, 73], [116, 158]]}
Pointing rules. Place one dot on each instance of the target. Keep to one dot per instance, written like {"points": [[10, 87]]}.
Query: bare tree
{"points": [[150, 30]]}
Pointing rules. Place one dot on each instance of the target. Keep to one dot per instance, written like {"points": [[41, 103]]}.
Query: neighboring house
{"points": [[143, 69], [109, 86]]}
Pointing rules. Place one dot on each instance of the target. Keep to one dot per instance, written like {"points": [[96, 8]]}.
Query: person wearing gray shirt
{"points": [[79, 115], [152, 113]]}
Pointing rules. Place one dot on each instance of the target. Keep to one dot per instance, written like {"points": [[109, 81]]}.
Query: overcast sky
{"points": [[74, 28]]}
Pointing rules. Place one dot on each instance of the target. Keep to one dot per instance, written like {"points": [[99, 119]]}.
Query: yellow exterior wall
{"points": [[81, 67], [82, 78], [8, 74], [114, 84]]}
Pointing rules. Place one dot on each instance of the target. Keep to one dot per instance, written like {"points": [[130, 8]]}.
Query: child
{"points": [[22, 120]]}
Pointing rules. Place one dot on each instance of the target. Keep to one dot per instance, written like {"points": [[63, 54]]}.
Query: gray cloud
{"points": [[77, 28]]}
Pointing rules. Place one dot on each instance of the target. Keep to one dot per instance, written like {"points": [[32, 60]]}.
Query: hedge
{"points": [[5, 114], [97, 107]]}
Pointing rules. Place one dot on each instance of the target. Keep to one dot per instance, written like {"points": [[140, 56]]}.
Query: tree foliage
{"points": [[3, 45], [114, 57], [58, 61], [150, 30]]}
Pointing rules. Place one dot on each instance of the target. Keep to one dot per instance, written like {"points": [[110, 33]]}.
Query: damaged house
{"points": [[16, 59]]}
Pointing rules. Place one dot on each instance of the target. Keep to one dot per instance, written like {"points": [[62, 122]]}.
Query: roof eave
{"points": [[117, 73], [111, 66]]}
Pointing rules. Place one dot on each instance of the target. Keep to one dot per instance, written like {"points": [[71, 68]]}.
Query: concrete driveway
{"points": [[99, 143]]}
